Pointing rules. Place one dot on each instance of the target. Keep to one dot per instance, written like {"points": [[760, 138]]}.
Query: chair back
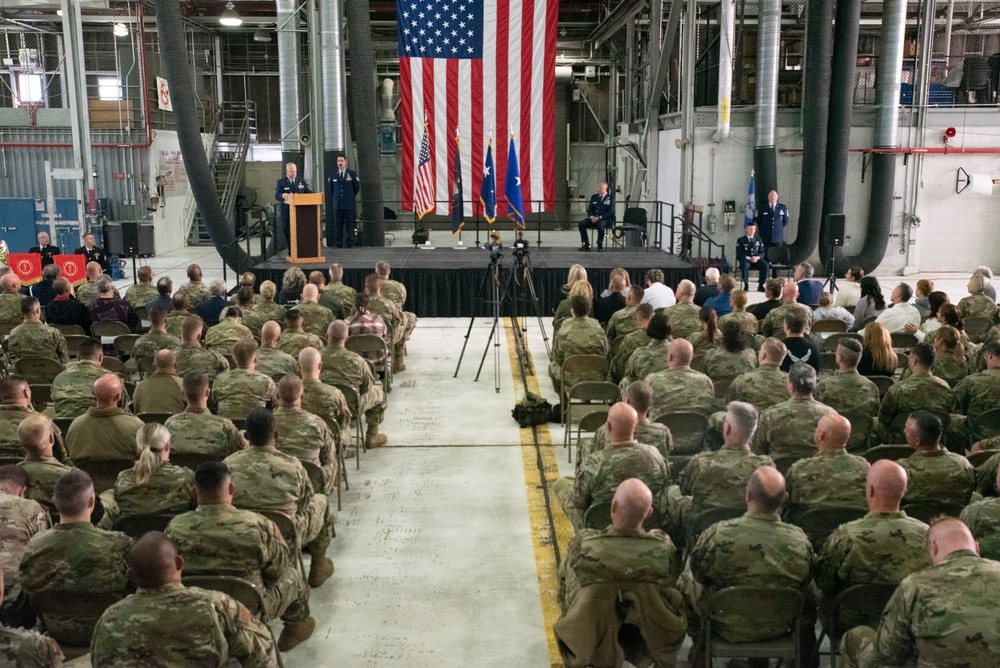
{"points": [[979, 458], [40, 370], [138, 525], [976, 327], [191, 460], [925, 512], [285, 524], [831, 342], [315, 474], [784, 462], [634, 216], [109, 328], [710, 516], [984, 425], [786, 604], [860, 605], [594, 390], [893, 452], [861, 429], [104, 472], [827, 362], [158, 418], [778, 255], [366, 343], [68, 330], [837, 326], [13, 461], [867, 321], [63, 424], [903, 342], [85, 607], [351, 397], [598, 516], [115, 365], [73, 343], [41, 396], [883, 383], [145, 366], [819, 523], [586, 367], [242, 590], [688, 430], [124, 343], [721, 385]]}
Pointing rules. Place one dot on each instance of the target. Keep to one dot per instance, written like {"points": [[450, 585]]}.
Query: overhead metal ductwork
{"points": [[815, 111], [765, 161], [178, 72], [727, 39], [883, 165], [289, 71], [838, 137], [332, 51]]}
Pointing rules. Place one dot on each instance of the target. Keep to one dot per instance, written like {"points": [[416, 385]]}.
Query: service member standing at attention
{"points": [[45, 249], [599, 214], [751, 254], [290, 184], [342, 187], [93, 252], [772, 220]]}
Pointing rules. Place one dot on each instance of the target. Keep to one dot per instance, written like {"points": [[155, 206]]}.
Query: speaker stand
{"points": [[135, 271], [830, 284]]}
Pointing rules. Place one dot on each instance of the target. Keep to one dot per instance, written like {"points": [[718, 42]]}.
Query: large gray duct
{"points": [[289, 55], [727, 39], [332, 51], [178, 72], [765, 160], [815, 110], [883, 165], [364, 108]]}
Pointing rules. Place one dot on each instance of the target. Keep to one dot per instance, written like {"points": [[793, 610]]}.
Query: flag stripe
{"points": [[405, 111], [451, 66], [439, 150], [549, 97], [478, 130], [502, 93], [523, 130], [537, 115], [465, 129]]}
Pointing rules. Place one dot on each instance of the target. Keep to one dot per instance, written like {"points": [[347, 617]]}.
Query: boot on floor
{"points": [[373, 439], [295, 633]]}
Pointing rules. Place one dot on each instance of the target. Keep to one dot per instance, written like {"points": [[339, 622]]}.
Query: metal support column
{"points": [[79, 113], [315, 94]]}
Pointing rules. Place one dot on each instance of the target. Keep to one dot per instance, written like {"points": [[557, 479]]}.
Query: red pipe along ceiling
{"points": [[145, 103]]}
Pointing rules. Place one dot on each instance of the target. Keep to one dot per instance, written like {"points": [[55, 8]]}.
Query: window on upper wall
{"points": [[30, 89], [109, 88]]}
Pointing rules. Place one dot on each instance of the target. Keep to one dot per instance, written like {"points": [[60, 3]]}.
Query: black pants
{"points": [[746, 265], [342, 235], [600, 225]]}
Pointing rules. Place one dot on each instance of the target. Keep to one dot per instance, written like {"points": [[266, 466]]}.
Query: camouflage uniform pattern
{"points": [[396, 292], [330, 301], [200, 432], [345, 367], [73, 388], [622, 323], [187, 626], [950, 370], [978, 306], [684, 320], [701, 344], [974, 395], [986, 473], [28, 649], [774, 322], [681, 389], [721, 365], [10, 417], [266, 479], [10, 309], [918, 392], [222, 337], [615, 555], [292, 343], [307, 438], [577, 336], [329, 404], [621, 350], [315, 318], [826, 480], [344, 293], [787, 429], [390, 313], [167, 492], [645, 361], [153, 342], [880, 548], [195, 358], [44, 474], [983, 520], [103, 434], [848, 392], [87, 293], [275, 364], [175, 319], [938, 476], [196, 292], [75, 558], [756, 550], [160, 392], [763, 387], [220, 539], [36, 339], [649, 433], [20, 519], [141, 293], [944, 614], [748, 320], [238, 391]]}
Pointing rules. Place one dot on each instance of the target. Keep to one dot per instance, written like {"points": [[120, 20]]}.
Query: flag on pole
{"points": [[423, 201], [751, 208], [609, 177], [512, 188], [476, 65], [457, 197], [488, 186]]}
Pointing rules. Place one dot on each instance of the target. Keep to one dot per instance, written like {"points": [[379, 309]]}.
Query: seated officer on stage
{"points": [[600, 212], [750, 254]]}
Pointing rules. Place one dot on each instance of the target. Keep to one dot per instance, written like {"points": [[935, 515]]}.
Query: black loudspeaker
{"points": [[835, 229], [130, 238]]}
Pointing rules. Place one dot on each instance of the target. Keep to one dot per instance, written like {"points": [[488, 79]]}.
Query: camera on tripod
{"points": [[494, 246], [520, 248]]}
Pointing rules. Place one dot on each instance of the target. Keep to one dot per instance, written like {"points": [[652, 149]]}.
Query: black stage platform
{"points": [[446, 283]]}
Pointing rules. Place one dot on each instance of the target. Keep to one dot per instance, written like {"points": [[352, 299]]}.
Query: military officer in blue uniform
{"points": [[291, 184], [750, 254], [771, 221], [600, 211], [342, 186]]}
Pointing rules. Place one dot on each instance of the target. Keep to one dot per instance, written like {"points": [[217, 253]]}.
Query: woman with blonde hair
{"points": [[153, 486], [738, 302], [577, 272], [978, 304], [291, 286], [922, 302], [878, 357], [617, 271], [827, 311], [950, 363], [267, 308]]}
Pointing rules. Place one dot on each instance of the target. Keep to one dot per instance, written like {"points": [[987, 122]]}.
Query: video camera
{"points": [[494, 246], [521, 248]]}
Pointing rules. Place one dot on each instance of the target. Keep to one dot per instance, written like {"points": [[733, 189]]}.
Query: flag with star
{"points": [[488, 186], [512, 187], [475, 65], [457, 196], [423, 202]]}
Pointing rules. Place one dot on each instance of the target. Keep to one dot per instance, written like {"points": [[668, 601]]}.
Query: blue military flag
{"points": [[488, 189], [751, 208], [512, 188]]}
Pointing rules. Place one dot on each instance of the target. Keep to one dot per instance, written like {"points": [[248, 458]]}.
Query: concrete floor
{"points": [[446, 549]]}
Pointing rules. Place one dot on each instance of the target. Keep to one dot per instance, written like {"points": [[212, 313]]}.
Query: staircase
{"points": [[237, 129]]}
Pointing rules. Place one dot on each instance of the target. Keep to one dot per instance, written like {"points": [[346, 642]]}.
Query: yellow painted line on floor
{"points": [[538, 512]]}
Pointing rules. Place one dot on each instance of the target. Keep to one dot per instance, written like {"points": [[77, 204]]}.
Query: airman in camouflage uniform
{"points": [[580, 335], [977, 394], [10, 300], [16, 397], [142, 292], [623, 322], [921, 391], [222, 337], [180, 311], [20, 519], [160, 391], [645, 361], [832, 478], [294, 339], [722, 365], [622, 347], [104, 432], [266, 479], [315, 318], [266, 311], [787, 429], [684, 319], [167, 492], [755, 548], [321, 399], [29, 649], [344, 293], [983, 520], [944, 615], [196, 291], [33, 338], [75, 557], [680, 388], [197, 431], [304, 435], [153, 342], [87, 293], [748, 320], [774, 322], [978, 305], [192, 357], [238, 391], [935, 474], [73, 388], [765, 386], [396, 293], [345, 367], [848, 392], [391, 314]]}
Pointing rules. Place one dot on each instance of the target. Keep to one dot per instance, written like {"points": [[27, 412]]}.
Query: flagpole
{"points": [[458, 154]]}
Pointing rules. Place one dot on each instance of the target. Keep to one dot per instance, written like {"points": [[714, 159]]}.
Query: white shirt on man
{"points": [[659, 295], [893, 319]]}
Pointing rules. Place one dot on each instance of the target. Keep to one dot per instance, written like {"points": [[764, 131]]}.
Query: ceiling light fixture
{"points": [[262, 36], [229, 17], [120, 30]]}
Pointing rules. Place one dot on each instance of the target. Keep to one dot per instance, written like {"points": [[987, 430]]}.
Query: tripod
{"points": [[498, 292], [522, 279]]}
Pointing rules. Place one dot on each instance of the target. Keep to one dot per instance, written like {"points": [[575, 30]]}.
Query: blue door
{"points": [[17, 223]]}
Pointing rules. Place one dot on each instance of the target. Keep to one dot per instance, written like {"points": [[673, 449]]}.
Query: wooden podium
{"points": [[304, 223]]}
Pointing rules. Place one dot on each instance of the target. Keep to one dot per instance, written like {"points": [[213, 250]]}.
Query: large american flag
{"points": [[473, 66]]}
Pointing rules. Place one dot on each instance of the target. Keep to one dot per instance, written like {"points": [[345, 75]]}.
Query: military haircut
{"points": [[179, 302], [382, 269], [191, 326], [654, 275], [775, 349], [337, 331], [923, 354], [743, 416], [905, 291], [992, 348], [28, 305], [151, 559], [145, 274], [317, 278], [644, 311], [372, 283], [243, 352], [639, 395], [850, 351], [72, 492], [15, 475], [658, 327], [194, 272], [164, 286], [637, 292], [293, 316], [157, 316], [210, 476], [802, 378], [12, 387], [260, 426], [758, 494], [34, 433], [195, 383], [336, 273], [579, 306], [795, 321], [289, 389], [928, 426], [685, 288], [89, 349]]}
